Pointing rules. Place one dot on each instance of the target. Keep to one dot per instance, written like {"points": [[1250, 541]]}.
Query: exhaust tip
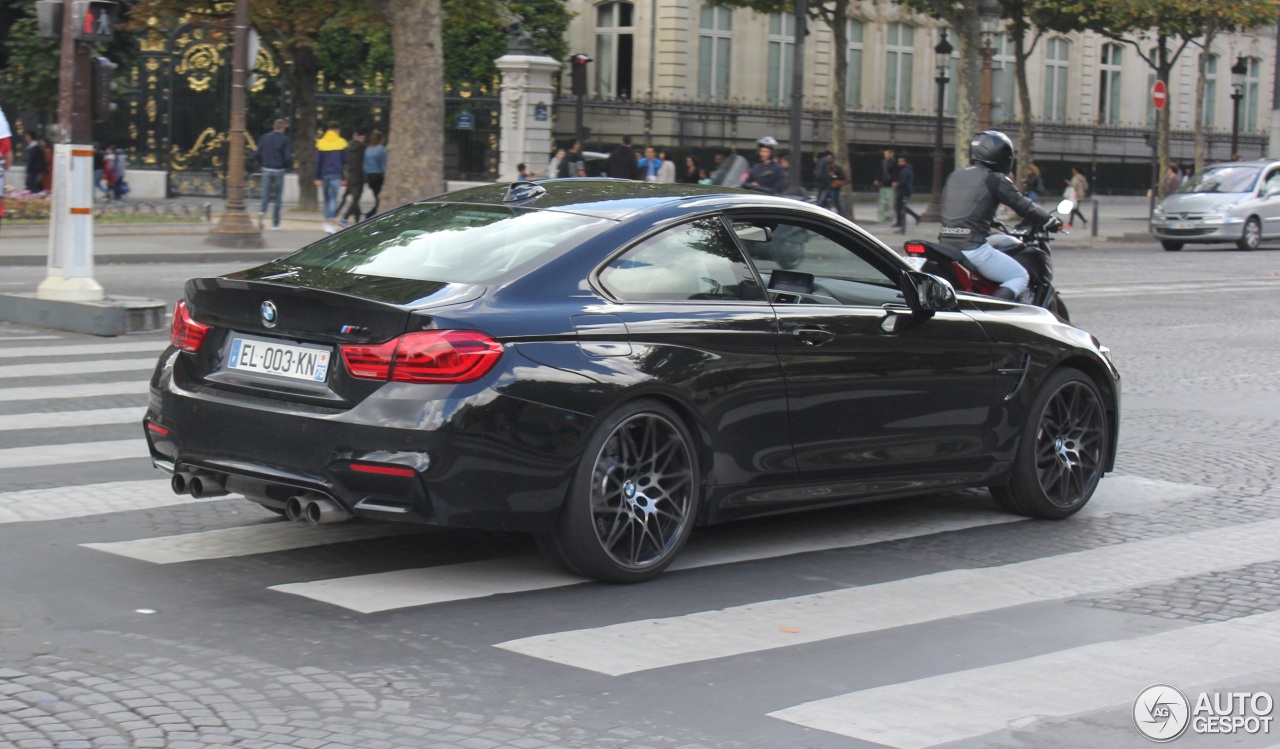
{"points": [[179, 484], [294, 508], [312, 512], [203, 486]]}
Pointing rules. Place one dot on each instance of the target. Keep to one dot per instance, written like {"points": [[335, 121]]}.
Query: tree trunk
{"points": [[968, 81], [1026, 143], [302, 81], [415, 141], [839, 100], [1163, 69]]}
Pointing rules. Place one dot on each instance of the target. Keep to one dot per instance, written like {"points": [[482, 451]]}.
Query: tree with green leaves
{"points": [[475, 35], [31, 76]]}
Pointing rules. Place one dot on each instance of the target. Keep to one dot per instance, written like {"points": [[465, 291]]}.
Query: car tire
{"points": [[1251, 239], [1170, 246], [633, 499], [1061, 454]]}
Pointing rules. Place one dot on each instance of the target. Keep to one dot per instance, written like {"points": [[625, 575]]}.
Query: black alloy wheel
{"points": [[1063, 449], [632, 504], [1252, 237]]}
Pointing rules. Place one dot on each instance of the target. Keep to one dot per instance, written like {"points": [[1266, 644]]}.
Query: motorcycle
{"points": [[1028, 245]]}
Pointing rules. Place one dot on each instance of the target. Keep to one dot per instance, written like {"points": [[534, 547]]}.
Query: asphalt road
{"points": [[133, 618]]}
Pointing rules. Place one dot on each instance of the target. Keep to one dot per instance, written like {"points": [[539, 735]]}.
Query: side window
{"points": [[694, 261], [1272, 183], [801, 265]]}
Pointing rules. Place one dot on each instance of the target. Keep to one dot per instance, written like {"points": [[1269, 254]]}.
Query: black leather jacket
{"points": [[768, 175], [970, 201]]}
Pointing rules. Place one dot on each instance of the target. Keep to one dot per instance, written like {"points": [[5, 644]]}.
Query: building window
{"points": [[782, 44], [1210, 89], [1109, 84], [614, 46], [900, 54], [853, 55], [1249, 117], [1003, 84], [715, 42], [1056, 57]]}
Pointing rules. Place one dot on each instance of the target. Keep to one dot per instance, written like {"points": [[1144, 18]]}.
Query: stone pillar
{"points": [[527, 99]]}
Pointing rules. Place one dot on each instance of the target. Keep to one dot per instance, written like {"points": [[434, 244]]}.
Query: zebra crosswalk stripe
{"points": [[980, 701], [62, 419], [656, 643], [76, 452], [65, 369], [88, 349], [64, 502], [87, 390]]}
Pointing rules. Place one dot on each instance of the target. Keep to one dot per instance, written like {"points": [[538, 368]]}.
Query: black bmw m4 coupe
{"points": [[607, 364]]}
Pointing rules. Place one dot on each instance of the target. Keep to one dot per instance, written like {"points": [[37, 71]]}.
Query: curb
{"points": [[145, 258], [110, 230]]}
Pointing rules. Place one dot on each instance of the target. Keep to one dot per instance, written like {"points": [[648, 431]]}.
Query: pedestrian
{"points": [[331, 161], [650, 165], [1032, 182], [522, 174], [906, 178], [5, 140], [553, 166], [1077, 190], [704, 177], [375, 168], [36, 164], [100, 172], [119, 168], [691, 169], [275, 155], [666, 172], [354, 173], [830, 179], [108, 171], [886, 176], [621, 162], [573, 164], [47, 147], [1172, 180]]}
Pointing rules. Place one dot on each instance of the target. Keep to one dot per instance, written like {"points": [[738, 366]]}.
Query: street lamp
{"points": [[943, 51], [235, 228], [1238, 72], [989, 11]]}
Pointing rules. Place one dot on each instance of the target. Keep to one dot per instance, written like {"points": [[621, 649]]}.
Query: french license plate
{"points": [[280, 359], [1182, 224], [916, 262]]}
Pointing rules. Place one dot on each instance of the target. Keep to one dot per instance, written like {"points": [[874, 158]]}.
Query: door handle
{"points": [[813, 336]]}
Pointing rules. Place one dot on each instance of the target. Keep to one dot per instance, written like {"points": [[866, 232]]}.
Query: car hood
{"points": [[1200, 202]]}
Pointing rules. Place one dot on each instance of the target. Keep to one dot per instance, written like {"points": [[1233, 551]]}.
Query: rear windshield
{"points": [[1223, 179], [451, 242]]}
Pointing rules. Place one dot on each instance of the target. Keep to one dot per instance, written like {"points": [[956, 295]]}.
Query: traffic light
{"points": [[578, 64], [103, 82], [94, 20]]}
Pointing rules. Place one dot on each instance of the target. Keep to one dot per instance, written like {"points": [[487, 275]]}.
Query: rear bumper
{"points": [[480, 459]]}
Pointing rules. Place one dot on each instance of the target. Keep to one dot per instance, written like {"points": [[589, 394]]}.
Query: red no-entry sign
{"points": [[1159, 95]]}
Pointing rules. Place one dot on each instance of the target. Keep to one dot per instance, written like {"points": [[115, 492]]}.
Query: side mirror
{"points": [[1066, 207], [752, 233], [929, 294]]}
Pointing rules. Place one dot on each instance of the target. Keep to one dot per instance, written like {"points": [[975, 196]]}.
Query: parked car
{"points": [[606, 364], [1237, 202]]}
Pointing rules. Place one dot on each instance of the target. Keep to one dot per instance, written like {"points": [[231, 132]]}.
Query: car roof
{"points": [[1254, 162], [617, 199]]}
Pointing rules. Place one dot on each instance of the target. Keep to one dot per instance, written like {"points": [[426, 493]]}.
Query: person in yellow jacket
{"points": [[331, 160]]}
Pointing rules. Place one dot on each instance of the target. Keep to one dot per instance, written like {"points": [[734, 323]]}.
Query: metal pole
{"points": [[797, 94], [579, 131], [987, 52], [235, 228], [1273, 143], [1236, 96], [934, 211]]}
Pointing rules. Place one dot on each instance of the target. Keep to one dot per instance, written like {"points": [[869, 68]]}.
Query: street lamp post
{"points": [[989, 11], [235, 228], [1238, 72], [943, 51]]}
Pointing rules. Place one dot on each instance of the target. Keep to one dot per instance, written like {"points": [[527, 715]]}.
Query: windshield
{"points": [[451, 242], [1224, 179]]}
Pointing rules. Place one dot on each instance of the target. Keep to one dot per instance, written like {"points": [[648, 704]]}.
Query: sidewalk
{"points": [[1119, 219]]}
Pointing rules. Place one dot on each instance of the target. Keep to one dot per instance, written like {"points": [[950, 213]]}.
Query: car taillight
{"points": [[915, 248], [186, 334], [425, 356]]}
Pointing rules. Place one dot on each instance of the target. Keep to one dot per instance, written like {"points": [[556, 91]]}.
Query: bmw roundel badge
{"points": [[269, 314]]}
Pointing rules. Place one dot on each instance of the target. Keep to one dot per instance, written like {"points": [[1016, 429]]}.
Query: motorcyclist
{"points": [[768, 175], [969, 203]]}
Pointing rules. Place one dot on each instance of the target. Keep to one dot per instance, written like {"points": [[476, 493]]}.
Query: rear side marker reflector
{"points": [[915, 248], [448, 356], [157, 429], [382, 470]]}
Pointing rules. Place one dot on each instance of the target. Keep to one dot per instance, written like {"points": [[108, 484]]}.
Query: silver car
{"points": [[1235, 202]]}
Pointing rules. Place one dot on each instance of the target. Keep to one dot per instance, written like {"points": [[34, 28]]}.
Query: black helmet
{"points": [[993, 148]]}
